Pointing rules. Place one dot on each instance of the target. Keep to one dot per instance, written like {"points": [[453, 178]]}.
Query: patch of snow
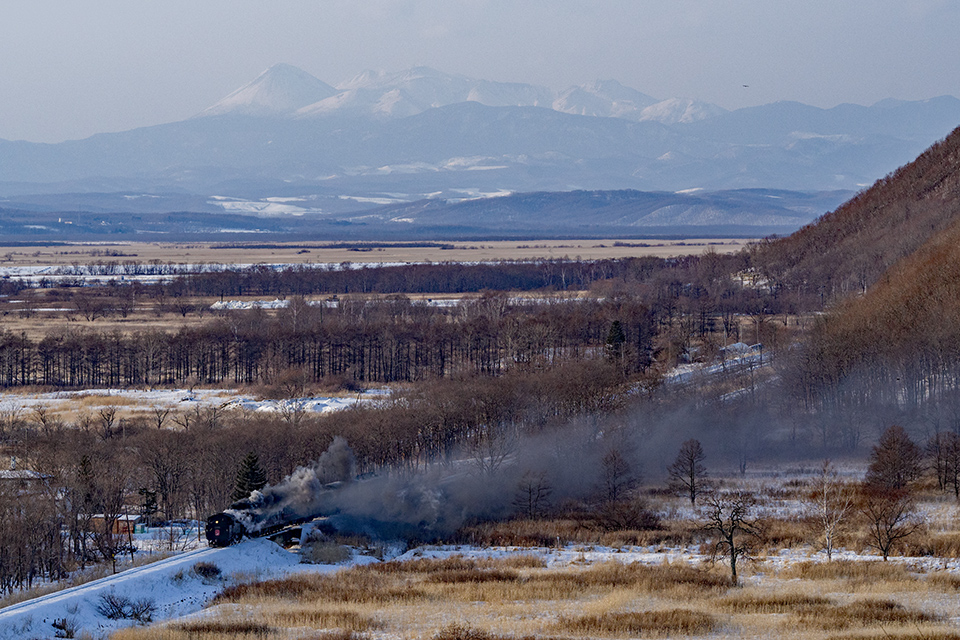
{"points": [[680, 111], [170, 584]]}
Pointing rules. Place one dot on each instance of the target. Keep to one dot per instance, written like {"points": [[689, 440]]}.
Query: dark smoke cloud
{"points": [[303, 493], [736, 430]]}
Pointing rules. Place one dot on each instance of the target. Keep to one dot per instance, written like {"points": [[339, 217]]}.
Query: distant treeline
{"points": [[382, 340], [446, 277], [212, 279]]}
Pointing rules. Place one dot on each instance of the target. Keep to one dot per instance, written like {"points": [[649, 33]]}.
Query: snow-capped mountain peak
{"points": [[605, 99], [280, 90], [680, 111]]}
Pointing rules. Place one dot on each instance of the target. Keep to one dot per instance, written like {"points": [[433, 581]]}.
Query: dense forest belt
{"points": [[558, 274], [379, 342], [213, 279]]}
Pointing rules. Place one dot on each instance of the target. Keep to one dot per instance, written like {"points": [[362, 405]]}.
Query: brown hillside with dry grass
{"points": [[903, 335], [848, 250]]}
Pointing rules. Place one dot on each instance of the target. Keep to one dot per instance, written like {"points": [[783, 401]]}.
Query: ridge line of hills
{"points": [[456, 137]]}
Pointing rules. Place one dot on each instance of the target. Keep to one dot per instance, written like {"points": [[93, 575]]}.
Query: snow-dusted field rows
{"points": [[176, 399]]}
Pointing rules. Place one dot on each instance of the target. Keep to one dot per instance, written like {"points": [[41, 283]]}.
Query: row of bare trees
{"points": [[368, 341], [171, 465]]}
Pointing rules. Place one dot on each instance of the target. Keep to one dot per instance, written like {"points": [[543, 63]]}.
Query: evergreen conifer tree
{"points": [[250, 477], [616, 341]]}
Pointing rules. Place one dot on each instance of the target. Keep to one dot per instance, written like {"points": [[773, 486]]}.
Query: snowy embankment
{"points": [[171, 585], [178, 591]]}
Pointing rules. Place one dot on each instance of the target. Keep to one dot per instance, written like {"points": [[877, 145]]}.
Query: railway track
{"points": [[188, 559]]}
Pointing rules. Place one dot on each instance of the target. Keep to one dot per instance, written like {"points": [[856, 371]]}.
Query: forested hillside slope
{"points": [[890, 261], [848, 250]]}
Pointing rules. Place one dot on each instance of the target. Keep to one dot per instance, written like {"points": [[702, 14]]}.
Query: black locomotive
{"points": [[223, 529], [243, 518]]}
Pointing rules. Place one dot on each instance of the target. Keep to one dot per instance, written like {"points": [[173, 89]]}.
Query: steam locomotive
{"points": [[253, 517], [223, 529]]}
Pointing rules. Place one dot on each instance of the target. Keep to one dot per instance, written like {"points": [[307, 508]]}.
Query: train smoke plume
{"points": [[301, 494]]}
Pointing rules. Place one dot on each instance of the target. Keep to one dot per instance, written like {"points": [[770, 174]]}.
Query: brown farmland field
{"points": [[319, 252]]}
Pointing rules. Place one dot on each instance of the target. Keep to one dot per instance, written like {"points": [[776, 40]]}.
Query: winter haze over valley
{"points": [[401, 152], [479, 320]]}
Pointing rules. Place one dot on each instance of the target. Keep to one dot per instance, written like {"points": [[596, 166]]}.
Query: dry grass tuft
{"points": [[230, 628], [464, 632], [744, 602], [523, 561], [104, 399], [457, 563], [458, 576], [857, 571], [345, 619], [348, 586], [916, 635], [425, 565], [336, 634], [549, 533], [785, 533], [942, 545], [861, 613], [640, 577], [646, 623], [944, 580]]}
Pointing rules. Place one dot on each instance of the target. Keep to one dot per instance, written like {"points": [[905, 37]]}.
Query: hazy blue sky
{"points": [[69, 69]]}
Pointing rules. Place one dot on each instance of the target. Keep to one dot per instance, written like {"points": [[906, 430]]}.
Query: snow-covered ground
{"points": [[177, 590], [177, 399], [172, 585], [736, 357]]}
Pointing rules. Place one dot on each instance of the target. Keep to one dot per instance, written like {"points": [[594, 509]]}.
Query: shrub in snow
{"points": [[65, 628], [207, 571], [118, 607]]}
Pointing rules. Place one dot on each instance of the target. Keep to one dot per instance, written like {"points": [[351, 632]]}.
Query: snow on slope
{"points": [[180, 594], [680, 111], [285, 90], [281, 89], [605, 99], [170, 584]]}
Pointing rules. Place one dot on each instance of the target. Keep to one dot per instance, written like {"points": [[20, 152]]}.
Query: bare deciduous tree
{"points": [[160, 414], [688, 475], [533, 494], [943, 453], [108, 416], [829, 504], [895, 460], [729, 517], [617, 478], [890, 516]]}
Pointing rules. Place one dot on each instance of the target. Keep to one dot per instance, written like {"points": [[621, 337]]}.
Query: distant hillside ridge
{"points": [[848, 250], [897, 345]]}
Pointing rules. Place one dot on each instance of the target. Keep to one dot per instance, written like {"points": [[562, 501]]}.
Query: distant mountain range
{"points": [[398, 138], [582, 214]]}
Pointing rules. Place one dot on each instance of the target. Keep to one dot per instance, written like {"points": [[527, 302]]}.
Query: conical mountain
{"points": [[280, 90]]}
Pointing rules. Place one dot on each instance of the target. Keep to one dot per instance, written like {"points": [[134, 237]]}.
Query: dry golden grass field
{"points": [[319, 252], [521, 596], [640, 584]]}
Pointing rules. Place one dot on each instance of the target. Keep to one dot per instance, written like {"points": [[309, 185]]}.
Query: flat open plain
{"points": [[318, 252]]}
